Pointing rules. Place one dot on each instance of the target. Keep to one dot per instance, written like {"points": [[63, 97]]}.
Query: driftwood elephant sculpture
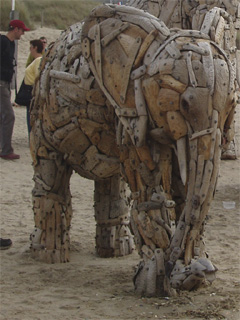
{"points": [[123, 99]]}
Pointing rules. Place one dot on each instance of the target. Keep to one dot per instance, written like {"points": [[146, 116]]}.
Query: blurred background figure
{"points": [[30, 57]]}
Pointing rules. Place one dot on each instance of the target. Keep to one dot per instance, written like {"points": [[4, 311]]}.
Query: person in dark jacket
{"points": [[7, 60], [7, 117]]}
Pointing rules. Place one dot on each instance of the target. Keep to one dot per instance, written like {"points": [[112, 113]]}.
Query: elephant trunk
{"points": [[202, 172]]}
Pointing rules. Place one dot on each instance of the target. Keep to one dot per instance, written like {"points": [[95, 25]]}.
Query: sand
{"points": [[89, 287]]}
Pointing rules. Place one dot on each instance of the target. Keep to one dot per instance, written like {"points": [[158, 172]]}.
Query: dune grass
{"points": [[58, 14]]}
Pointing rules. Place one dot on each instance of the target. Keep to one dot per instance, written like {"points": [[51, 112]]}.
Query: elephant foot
{"points": [[50, 240], [114, 241], [198, 272], [154, 277], [50, 256], [149, 283], [230, 153], [150, 279], [44, 249]]}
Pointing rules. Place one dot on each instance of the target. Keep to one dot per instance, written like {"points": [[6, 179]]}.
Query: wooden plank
{"points": [[219, 32], [53, 105], [221, 84], [189, 250], [177, 124], [97, 52], [142, 22], [167, 9], [71, 91], [84, 69], [200, 133], [75, 140], [130, 176], [146, 175], [109, 25], [126, 42], [204, 146], [86, 48], [182, 158], [105, 169], [191, 74], [50, 224], [102, 11], [147, 241], [64, 76], [139, 72], [208, 65], [199, 174], [96, 97], [173, 51], [127, 69], [167, 81], [144, 47], [128, 112], [114, 58], [180, 71], [47, 119], [159, 255], [206, 180], [91, 129], [160, 136], [90, 158], [107, 144], [164, 32], [145, 156], [160, 236], [148, 57], [190, 190], [208, 20], [195, 48], [199, 73], [112, 35], [178, 235]]}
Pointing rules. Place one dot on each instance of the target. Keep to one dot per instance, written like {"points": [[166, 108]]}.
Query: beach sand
{"points": [[89, 287]]}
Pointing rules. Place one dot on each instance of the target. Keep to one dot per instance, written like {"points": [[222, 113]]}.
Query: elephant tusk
{"points": [[206, 180], [201, 133], [182, 158], [214, 133]]}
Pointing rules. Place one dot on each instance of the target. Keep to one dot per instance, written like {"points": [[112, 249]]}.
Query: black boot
{"points": [[5, 243]]}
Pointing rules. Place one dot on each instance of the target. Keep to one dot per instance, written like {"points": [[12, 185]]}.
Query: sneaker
{"points": [[11, 156], [5, 243]]}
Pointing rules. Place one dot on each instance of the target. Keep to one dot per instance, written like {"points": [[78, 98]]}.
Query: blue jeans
{"points": [[7, 118]]}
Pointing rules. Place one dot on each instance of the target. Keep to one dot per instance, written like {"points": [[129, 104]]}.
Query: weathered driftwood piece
{"points": [[64, 76], [140, 101]]}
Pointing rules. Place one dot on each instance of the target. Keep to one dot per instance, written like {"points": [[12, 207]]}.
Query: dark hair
{"points": [[37, 43], [43, 38]]}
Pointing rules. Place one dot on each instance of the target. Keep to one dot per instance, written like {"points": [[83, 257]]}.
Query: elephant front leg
{"points": [[151, 223], [113, 235], [52, 208]]}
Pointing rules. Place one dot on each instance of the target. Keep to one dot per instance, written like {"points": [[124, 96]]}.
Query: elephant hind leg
{"points": [[52, 211]]}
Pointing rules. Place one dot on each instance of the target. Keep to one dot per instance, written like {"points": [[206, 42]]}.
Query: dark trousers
{"points": [[28, 119], [7, 118]]}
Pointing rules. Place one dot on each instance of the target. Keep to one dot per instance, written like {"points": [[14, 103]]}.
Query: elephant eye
{"points": [[185, 105]]}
